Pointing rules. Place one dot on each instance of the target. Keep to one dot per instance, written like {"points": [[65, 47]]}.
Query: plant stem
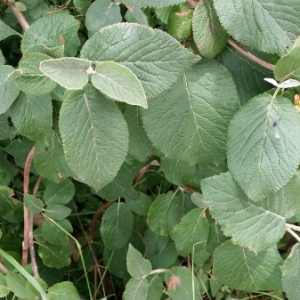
{"points": [[3, 269], [249, 55], [296, 236], [192, 3], [28, 216], [293, 227], [19, 16]]}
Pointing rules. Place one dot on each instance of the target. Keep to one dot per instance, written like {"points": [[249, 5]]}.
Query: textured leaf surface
{"points": [[209, 35], [180, 284], [60, 290], [102, 13], [33, 204], [7, 131], [116, 226], [8, 89], [32, 115], [269, 26], [158, 66], [49, 159], [191, 232], [189, 122], [180, 23], [136, 289], [137, 266], [32, 80], [263, 155], [166, 211], [250, 226], [291, 273], [94, 135], [152, 3], [69, 72], [139, 143], [17, 284], [46, 32], [119, 83], [242, 269]]}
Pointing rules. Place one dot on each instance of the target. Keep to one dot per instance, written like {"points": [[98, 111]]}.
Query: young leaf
{"points": [[209, 36], [60, 290], [180, 23], [33, 204], [191, 232], [119, 83], [32, 115], [47, 32], [250, 226], [49, 159], [116, 226], [266, 26], [95, 136], [151, 3], [69, 72], [137, 266], [262, 153], [203, 103], [102, 13], [136, 289], [242, 269], [181, 284], [291, 273], [31, 79], [158, 66], [167, 210], [8, 89]]}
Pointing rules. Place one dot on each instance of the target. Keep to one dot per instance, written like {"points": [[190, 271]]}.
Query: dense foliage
{"points": [[143, 154]]}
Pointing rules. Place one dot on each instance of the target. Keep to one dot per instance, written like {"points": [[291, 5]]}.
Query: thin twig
{"points": [[143, 170], [27, 214], [188, 188], [19, 16], [296, 236], [95, 218], [293, 227], [249, 55]]}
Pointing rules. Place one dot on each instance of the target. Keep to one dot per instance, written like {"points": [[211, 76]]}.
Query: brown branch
{"points": [[249, 55], [28, 216], [192, 3], [188, 188], [19, 16], [95, 218]]}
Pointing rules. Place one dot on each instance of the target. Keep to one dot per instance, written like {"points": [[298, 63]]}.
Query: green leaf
{"points": [[7, 131], [167, 210], [136, 15], [53, 235], [199, 200], [6, 31], [59, 193], [32, 115], [4, 290], [139, 144], [151, 3], [31, 289], [137, 266], [139, 204], [119, 83], [81, 6], [33, 204], [154, 243], [158, 66], [154, 288], [249, 225], [266, 26], [102, 13], [69, 72], [176, 171], [95, 137], [116, 226], [203, 103], [57, 212], [20, 6], [291, 272], [288, 66], [31, 79], [17, 284], [8, 209], [136, 289], [181, 284], [60, 290], [209, 35], [8, 89], [49, 159], [180, 23], [242, 269], [191, 232], [262, 155], [47, 32], [248, 76], [55, 256]]}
